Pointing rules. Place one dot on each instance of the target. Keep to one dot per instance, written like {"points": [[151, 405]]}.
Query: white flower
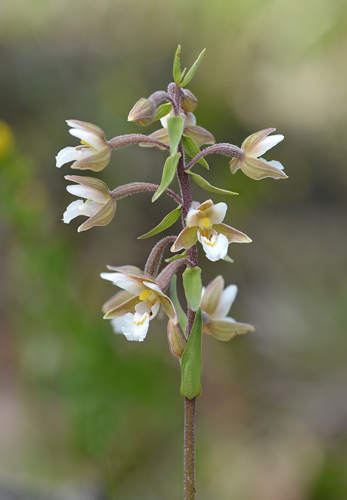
{"points": [[204, 223], [132, 309], [254, 146], [215, 305], [94, 152], [100, 207]]}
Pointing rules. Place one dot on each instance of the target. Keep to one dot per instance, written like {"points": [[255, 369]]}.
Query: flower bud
{"points": [[143, 112], [176, 338], [189, 102]]}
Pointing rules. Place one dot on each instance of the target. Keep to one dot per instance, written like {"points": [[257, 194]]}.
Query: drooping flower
{"points": [[254, 146], [100, 206], [94, 152], [215, 305], [204, 223], [200, 135], [132, 309]]}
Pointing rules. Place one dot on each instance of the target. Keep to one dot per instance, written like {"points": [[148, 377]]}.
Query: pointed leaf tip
{"points": [[193, 69]]}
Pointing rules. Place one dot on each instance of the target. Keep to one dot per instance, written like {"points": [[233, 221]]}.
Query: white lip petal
{"points": [[66, 155], [72, 211], [135, 326], [266, 144], [87, 192], [116, 324], [217, 213], [216, 247], [225, 302]]}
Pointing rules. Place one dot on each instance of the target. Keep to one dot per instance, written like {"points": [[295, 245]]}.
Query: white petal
{"points": [[131, 286], [87, 192], [135, 326], [89, 138], [266, 144], [90, 208], [217, 213], [191, 119], [110, 276], [116, 324], [275, 163], [225, 302], [215, 247], [66, 155], [72, 211]]}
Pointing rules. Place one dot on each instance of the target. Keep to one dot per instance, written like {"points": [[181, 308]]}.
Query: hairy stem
{"points": [[221, 149], [140, 187], [192, 255]]}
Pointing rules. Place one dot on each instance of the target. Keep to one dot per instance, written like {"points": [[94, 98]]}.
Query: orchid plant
{"points": [[144, 292]]}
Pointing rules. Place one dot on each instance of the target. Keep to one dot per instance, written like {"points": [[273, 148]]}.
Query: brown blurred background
{"points": [[85, 414]]}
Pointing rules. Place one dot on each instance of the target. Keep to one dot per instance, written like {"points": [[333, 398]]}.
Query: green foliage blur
{"points": [[84, 412]]}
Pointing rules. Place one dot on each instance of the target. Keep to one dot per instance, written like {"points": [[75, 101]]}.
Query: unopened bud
{"points": [[176, 338], [143, 112], [189, 101]]}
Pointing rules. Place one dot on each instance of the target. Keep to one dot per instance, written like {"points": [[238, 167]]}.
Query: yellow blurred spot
{"points": [[144, 294], [6, 139]]}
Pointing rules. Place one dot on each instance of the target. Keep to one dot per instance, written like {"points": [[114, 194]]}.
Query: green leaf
{"points": [[162, 111], [228, 259], [191, 148], [178, 256], [206, 185], [191, 362], [192, 70], [176, 72], [175, 124], [168, 220], [192, 286], [168, 174], [182, 318]]}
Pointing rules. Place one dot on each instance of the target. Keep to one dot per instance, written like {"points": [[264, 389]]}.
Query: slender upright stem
{"points": [[192, 254], [189, 448]]}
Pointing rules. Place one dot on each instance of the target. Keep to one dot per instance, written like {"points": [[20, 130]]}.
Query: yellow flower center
{"points": [[206, 223], [144, 294]]}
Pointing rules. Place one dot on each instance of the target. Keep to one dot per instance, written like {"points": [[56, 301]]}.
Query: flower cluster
{"points": [[143, 293]]}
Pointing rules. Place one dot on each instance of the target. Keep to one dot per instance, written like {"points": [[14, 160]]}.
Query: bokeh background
{"points": [[84, 413]]}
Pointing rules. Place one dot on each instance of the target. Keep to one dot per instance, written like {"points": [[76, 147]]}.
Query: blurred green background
{"points": [[84, 413]]}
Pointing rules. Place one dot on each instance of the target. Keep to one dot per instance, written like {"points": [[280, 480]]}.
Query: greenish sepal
{"points": [[206, 185], [178, 256], [191, 148], [162, 111], [176, 71], [192, 286], [169, 172], [168, 220], [228, 259], [182, 318], [192, 70], [175, 124], [191, 362], [183, 73]]}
